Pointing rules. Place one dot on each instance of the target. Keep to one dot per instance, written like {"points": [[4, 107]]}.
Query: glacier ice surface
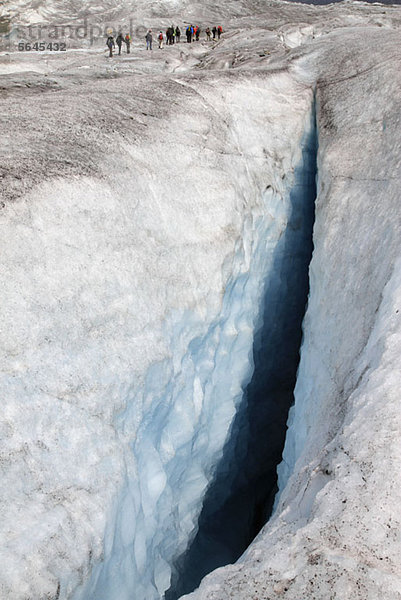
{"points": [[135, 243]]}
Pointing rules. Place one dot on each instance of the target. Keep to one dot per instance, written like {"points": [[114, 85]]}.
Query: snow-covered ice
{"points": [[142, 203]]}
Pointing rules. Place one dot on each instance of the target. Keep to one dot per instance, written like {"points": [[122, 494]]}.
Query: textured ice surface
{"points": [[137, 231]]}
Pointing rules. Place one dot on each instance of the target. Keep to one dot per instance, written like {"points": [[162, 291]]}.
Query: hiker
{"points": [[214, 31], [198, 31], [119, 42], [189, 32], [219, 31], [177, 34], [110, 44], [172, 34], [127, 40], [149, 40], [169, 35], [208, 34], [160, 38]]}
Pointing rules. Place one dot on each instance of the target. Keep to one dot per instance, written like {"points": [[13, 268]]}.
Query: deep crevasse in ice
{"points": [[239, 499], [189, 402]]}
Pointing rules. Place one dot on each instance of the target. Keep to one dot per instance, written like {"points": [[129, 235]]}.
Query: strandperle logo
{"points": [[12, 33]]}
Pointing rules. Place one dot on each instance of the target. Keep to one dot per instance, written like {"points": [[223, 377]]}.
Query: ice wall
{"points": [[189, 404]]}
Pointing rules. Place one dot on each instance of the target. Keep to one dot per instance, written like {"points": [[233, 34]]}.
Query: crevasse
{"points": [[202, 406], [239, 500]]}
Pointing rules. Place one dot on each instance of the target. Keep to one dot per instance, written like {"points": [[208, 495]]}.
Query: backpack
{"points": [[160, 36]]}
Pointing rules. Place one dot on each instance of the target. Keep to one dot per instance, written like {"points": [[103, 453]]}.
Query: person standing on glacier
{"points": [[119, 42], [160, 38], [110, 44], [149, 40], [127, 40], [170, 36], [190, 32]]}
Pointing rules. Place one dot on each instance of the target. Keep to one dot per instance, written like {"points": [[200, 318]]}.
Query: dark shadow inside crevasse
{"points": [[240, 499]]}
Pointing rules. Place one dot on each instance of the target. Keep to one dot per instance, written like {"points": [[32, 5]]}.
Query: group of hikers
{"points": [[193, 33], [111, 44], [171, 36]]}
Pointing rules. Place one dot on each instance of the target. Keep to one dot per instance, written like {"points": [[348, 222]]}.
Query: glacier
{"points": [[140, 232]]}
